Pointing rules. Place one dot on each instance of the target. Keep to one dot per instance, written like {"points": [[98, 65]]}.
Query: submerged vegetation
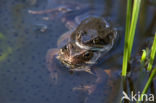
{"points": [[149, 68], [5, 49]]}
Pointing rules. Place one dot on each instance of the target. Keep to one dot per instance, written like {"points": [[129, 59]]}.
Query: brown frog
{"points": [[84, 45], [91, 38]]}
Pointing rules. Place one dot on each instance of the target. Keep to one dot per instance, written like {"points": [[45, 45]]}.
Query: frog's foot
{"points": [[51, 64], [50, 55], [87, 88]]}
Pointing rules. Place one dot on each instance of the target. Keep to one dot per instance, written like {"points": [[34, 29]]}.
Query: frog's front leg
{"points": [[50, 57], [64, 38]]}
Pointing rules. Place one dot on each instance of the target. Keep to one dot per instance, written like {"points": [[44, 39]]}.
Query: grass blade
{"points": [[128, 21], [153, 52], [133, 25], [148, 84], [130, 34]]}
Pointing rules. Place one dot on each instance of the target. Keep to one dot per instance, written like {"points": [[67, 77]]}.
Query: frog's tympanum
{"points": [[93, 37]]}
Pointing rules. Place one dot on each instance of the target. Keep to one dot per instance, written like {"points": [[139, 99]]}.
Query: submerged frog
{"points": [[84, 45]]}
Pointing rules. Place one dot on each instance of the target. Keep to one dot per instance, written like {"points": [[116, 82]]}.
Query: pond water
{"points": [[25, 39]]}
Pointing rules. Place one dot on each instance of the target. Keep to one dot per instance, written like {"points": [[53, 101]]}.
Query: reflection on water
{"points": [[24, 74]]}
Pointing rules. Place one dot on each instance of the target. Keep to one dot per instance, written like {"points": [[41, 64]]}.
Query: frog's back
{"points": [[94, 32]]}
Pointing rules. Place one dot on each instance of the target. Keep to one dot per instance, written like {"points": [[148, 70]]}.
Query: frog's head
{"points": [[95, 34], [73, 56]]}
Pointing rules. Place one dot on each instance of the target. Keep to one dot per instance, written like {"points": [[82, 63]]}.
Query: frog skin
{"points": [[92, 38]]}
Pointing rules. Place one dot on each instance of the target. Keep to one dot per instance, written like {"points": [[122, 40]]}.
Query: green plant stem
{"points": [[148, 83], [128, 20], [130, 31], [133, 25], [152, 55]]}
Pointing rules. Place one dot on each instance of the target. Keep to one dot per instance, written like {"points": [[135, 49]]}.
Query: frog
{"points": [[92, 38], [88, 38], [80, 48]]}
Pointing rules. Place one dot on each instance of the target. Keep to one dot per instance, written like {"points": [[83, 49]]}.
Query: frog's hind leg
{"points": [[64, 39], [85, 69]]}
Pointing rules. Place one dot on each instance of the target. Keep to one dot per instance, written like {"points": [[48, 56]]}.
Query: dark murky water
{"points": [[24, 75]]}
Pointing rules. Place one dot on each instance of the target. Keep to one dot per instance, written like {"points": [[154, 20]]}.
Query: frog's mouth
{"points": [[105, 48]]}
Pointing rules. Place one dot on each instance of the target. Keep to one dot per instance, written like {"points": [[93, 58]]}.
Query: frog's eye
{"points": [[87, 55], [65, 47], [81, 33]]}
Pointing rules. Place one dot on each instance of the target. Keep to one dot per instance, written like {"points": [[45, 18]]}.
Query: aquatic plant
{"points": [[5, 49], [129, 37], [150, 63], [130, 32], [143, 57], [152, 55], [153, 73]]}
